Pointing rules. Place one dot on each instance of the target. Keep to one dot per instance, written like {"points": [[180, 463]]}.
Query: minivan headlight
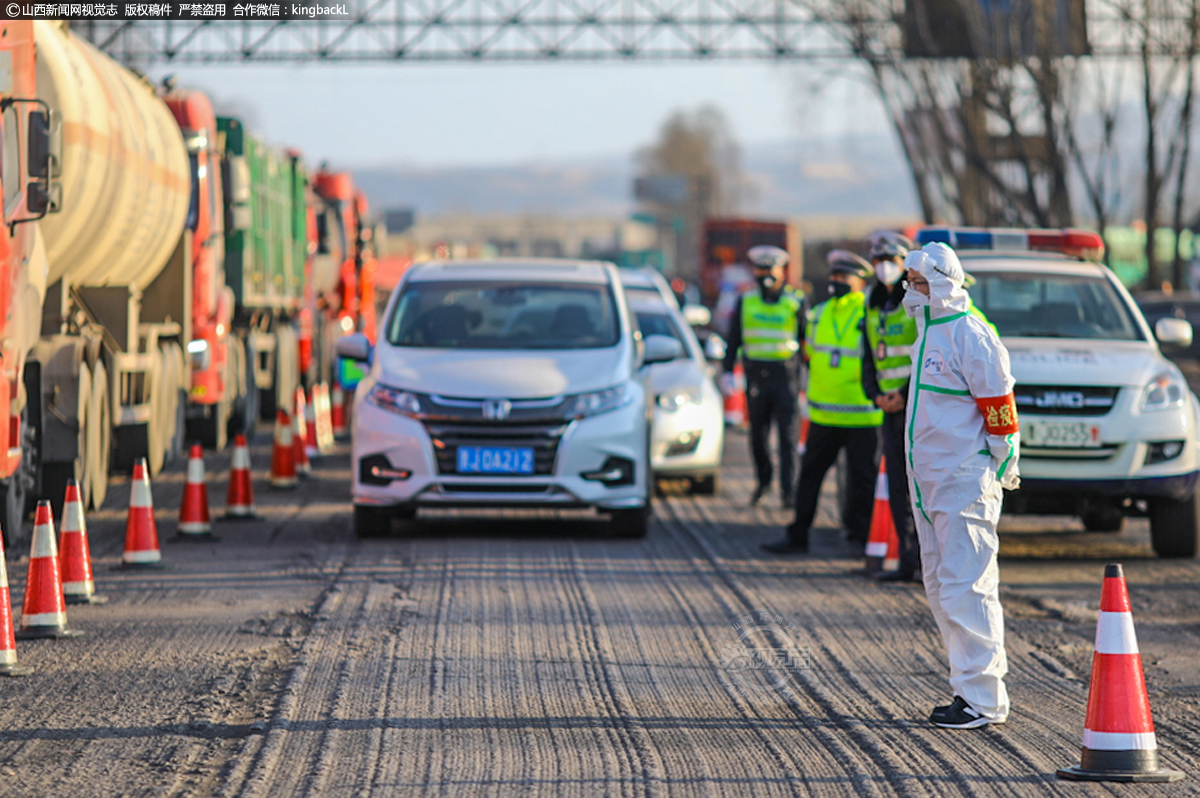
{"points": [[1166, 390], [596, 402], [395, 400]]}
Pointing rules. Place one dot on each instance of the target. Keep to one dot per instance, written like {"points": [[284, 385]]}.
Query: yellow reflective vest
{"points": [[834, 348]]}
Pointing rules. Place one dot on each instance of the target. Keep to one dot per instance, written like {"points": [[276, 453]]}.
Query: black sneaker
{"points": [[788, 502], [787, 546], [958, 715], [898, 576], [759, 492]]}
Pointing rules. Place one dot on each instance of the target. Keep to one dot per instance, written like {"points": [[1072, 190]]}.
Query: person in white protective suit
{"points": [[961, 443]]}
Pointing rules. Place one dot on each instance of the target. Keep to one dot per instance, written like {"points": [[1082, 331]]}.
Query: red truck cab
{"points": [[211, 306]]}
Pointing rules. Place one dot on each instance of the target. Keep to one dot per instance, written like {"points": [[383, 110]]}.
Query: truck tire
{"points": [[55, 475], [99, 444], [1175, 526], [373, 522], [15, 491]]}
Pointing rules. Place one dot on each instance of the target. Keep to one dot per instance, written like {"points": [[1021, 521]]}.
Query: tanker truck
{"points": [[117, 312], [28, 162]]}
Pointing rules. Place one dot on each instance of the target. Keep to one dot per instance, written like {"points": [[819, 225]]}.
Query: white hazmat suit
{"points": [[962, 443]]}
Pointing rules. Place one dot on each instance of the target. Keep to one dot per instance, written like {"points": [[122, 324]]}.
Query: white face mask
{"points": [[889, 272], [914, 301]]}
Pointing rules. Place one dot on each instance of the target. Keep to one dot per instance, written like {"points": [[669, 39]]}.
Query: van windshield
{"points": [[1053, 306], [504, 315]]}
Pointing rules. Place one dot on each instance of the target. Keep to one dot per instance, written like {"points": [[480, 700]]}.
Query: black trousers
{"points": [[892, 433], [821, 452], [771, 397]]}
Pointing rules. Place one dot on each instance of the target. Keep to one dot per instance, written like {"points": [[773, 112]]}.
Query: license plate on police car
{"points": [[495, 460], [1060, 434]]}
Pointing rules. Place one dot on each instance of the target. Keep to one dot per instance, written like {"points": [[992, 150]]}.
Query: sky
{"points": [[492, 114]]}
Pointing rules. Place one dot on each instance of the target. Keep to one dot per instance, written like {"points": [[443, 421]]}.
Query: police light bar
{"points": [[1076, 243]]}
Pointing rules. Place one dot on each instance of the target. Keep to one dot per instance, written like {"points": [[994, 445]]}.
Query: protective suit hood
{"points": [[938, 264]]}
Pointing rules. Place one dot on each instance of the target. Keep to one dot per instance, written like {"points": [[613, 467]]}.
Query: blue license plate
{"points": [[495, 460]]}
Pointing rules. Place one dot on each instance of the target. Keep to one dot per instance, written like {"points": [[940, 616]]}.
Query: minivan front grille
{"points": [[1062, 400], [542, 438]]}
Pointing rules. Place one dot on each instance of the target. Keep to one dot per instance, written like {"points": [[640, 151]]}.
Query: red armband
{"points": [[999, 414]]}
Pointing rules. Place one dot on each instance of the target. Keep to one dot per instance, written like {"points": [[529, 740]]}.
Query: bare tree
{"points": [[697, 150]]}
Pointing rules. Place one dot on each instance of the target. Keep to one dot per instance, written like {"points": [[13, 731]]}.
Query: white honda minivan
{"points": [[504, 383]]}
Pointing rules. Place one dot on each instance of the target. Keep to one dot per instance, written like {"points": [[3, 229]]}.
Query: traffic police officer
{"points": [[767, 325], [889, 333], [840, 413]]}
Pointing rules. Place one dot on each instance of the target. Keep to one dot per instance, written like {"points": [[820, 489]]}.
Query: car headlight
{"points": [[596, 402], [1166, 390], [395, 400], [674, 399]]}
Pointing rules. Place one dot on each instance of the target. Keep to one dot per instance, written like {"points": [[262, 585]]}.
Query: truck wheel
{"points": [[99, 444], [1175, 526], [15, 490], [373, 522]]}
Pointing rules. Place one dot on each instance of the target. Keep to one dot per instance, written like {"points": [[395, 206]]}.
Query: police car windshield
{"points": [[1047, 305], [504, 315]]}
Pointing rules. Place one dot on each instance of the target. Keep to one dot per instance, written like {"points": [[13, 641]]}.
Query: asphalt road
{"points": [[477, 654]]}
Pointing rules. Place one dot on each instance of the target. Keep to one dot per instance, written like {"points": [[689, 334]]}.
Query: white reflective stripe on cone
{"points": [[150, 555], [141, 496], [241, 458], [1119, 741], [43, 543], [3, 573], [194, 526], [8, 656], [881, 486], [877, 549], [195, 470], [78, 588], [1115, 635], [44, 619]]}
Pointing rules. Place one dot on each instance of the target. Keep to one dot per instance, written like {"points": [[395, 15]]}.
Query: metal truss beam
{"points": [[553, 30]]}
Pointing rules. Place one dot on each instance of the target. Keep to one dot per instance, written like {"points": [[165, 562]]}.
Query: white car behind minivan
{"points": [[506, 383]]}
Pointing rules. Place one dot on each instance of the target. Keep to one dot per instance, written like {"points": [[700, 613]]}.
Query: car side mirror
{"points": [[355, 347], [1173, 333], [661, 349], [715, 347], [42, 197], [697, 315]]}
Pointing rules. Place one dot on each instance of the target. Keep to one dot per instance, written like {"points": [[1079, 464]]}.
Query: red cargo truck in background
{"points": [[724, 270]]}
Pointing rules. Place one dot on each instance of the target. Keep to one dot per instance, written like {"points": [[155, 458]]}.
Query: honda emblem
{"points": [[496, 409]]}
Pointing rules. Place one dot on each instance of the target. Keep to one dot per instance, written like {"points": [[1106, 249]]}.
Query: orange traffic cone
{"points": [[8, 640], [239, 501], [311, 449], [324, 418], [337, 411], [735, 400], [44, 613], [141, 533], [300, 435], [883, 545], [74, 556], [194, 521], [283, 457], [1118, 735]]}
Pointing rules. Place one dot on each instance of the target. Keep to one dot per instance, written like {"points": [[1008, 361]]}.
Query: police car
{"points": [[1109, 428]]}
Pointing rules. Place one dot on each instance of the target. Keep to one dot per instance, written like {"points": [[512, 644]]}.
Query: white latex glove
{"points": [[1005, 455], [726, 384]]}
